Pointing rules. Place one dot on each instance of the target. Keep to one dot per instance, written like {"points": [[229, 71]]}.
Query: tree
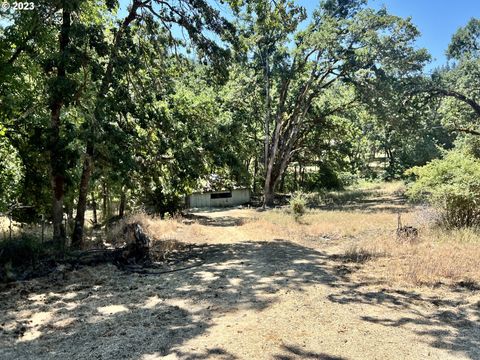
{"points": [[345, 42], [195, 17], [466, 41], [47, 57], [69, 42], [460, 83]]}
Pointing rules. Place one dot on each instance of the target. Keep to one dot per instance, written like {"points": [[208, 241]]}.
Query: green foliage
{"points": [[347, 178], [298, 205], [163, 202], [451, 185], [466, 41], [11, 174], [325, 178], [458, 84], [19, 250]]}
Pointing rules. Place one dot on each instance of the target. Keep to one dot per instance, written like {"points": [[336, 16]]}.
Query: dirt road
{"points": [[273, 299]]}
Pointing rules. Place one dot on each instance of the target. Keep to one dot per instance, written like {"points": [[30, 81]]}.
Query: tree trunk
{"points": [[104, 200], [56, 160], [69, 211], [88, 161], [57, 177], [267, 163], [94, 206], [295, 176], [267, 113], [255, 174], [269, 195], [274, 169], [282, 183], [391, 162], [269, 187], [123, 200], [302, 176], [57, 206], [77, 236], [270, 180]]}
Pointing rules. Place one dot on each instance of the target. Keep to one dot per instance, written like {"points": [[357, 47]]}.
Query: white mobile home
{"points": [[213, 199]]}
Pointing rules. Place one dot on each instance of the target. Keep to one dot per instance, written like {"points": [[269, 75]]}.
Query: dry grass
{"points": [[325, 223], [161, 232], [156, 228], [437, 256], [18, 229], [364, 190], [365, 236], [358, 254]]}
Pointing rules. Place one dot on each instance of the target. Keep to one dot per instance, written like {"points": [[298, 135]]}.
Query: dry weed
{"points": [[358, 254], [437, 256], [156, 228], [334, 224]]}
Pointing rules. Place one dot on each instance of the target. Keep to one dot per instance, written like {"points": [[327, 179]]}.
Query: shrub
{"points": [[325, 178], [357, 254], [11, 172], [298, 205], [346, 178], [315, 199], [452, 186], [18, 254], [20, 250]]}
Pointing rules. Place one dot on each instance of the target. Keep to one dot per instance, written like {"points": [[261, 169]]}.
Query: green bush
{"points": [[315, 199], [325, 178], [11, 172], [298, 205], [452, 186], [346, 179]]}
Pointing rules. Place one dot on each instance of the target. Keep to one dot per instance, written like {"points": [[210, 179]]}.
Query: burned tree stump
{"points": [[138, 244], [135, 251], [405, 232]]}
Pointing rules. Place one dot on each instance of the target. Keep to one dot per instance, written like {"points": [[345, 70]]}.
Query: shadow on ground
{"points": [[102, 313], [370, 202], [448, 324], [295, 352], [222, 221]]}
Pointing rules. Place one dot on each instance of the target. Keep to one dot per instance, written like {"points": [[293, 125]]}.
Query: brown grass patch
{"points": [[161, 232], [369, 237], [358, 254], [156, 228], [436, 257], [332, 224]]}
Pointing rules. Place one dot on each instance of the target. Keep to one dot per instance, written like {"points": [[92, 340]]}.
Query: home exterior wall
{"points": [[218, 198]]}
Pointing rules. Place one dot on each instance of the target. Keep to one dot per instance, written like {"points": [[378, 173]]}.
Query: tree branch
{"points": [[467, 131], [451, 93]]}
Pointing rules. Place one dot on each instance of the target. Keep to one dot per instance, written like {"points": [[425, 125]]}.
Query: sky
{"points": [[437, 20]]}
